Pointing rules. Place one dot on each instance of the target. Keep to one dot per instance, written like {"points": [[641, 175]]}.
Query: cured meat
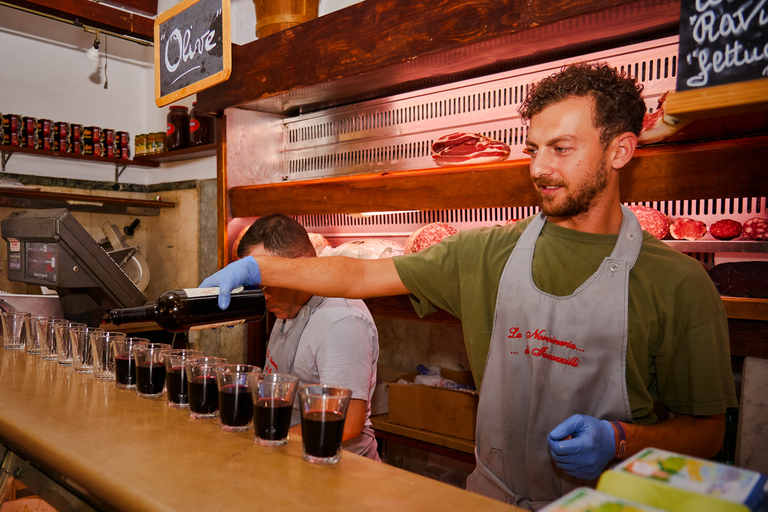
{"points": [[741, 278], [468, 148], [755, 229], [511, 221], [658, 125], [372, 249], [726, 229], [687, 229], [428, 235], [652, 221], [319, 242]]}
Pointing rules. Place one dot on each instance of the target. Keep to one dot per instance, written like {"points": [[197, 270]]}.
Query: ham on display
{"points": [[687, 229], [468, 148], [658, 126], [372, 249], [726, 229], [428, 235], [652, 221], [319, 242], [755, 229]]}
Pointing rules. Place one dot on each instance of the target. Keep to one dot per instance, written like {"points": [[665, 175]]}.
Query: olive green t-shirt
{"points": [[679, 352]]}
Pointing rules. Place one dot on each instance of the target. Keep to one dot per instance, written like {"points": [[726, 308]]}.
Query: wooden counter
{"points": [[130, 453]]}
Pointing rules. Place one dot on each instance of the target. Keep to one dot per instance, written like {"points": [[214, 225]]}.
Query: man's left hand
{"points": [[582, 446]]}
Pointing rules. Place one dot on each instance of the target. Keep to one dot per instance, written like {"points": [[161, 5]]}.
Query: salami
{"points": [[755, 229], [428, 235], [468, 148], [741, 278], [726, 229], [687, 229], [652, 221]]}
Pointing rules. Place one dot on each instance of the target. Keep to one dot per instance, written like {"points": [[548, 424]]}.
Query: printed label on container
{"points": [[213, 326], [14, 244], [206, 292]]}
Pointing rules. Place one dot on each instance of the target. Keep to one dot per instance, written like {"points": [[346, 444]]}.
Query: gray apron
{"points": [[550, 357], [285, 336]]}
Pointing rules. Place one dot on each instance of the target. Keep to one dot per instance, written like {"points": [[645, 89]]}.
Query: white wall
{"points": [[44, 73]]}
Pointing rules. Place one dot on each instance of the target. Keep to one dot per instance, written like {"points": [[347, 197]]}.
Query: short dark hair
{"points": [[619, 105], [280, 235]]}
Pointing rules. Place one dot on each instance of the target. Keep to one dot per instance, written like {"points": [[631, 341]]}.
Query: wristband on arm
{"points": [[621, 439]]}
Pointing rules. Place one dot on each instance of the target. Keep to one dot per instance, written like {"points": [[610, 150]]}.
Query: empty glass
{"points": [[15, 329], [82, 356], [48, 340], [36, 333], [103, 355], [64, 340]]}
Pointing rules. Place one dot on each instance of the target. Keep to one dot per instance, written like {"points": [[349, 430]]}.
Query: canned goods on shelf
{"points": [[77, 131], [122, 139], [12, 123], [28, 125]]}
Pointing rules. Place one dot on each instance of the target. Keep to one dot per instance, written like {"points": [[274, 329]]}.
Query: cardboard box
{"points": [[444, 411]]}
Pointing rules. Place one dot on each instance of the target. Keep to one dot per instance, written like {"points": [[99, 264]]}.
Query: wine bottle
{"points": [[194, 309]]}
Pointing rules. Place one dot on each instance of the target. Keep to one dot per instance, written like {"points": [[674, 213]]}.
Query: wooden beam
{"points": [[377, 47], [94, 15]]}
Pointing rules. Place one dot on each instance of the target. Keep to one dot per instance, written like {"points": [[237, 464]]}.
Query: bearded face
{"points": [[579, 196]]}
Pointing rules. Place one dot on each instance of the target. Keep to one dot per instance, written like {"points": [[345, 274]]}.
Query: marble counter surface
{"points": [[132, 453]]}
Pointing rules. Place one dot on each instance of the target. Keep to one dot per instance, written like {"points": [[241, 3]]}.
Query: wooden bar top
{"points": [[130, 453]]}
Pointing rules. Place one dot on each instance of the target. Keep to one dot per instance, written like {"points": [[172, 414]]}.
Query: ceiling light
{"points": [[93, 51]]}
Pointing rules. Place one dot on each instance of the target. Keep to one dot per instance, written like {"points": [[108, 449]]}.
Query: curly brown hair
{"points": [[619, 106]]}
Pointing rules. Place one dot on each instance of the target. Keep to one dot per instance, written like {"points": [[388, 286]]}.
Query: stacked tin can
{"points": [[12, 130]]}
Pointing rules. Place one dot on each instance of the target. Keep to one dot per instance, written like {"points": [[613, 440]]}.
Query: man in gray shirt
{"points": [[317, 339]]}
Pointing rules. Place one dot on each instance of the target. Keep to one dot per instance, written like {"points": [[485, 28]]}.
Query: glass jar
{"points": [[160, 142], [140, 142], [177, 128]]}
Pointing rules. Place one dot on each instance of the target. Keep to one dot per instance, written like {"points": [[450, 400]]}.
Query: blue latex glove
{"points": [[590, 448], [243, 272]]}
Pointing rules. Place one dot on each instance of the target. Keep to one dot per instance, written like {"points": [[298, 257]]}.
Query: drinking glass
{"points": [[323, 411], [150, 369], [176, 375], [62, 330], [201, 385], [235, 402], [48, 340], [125, 367], [103, 355], [15, 329], [273, 397], [36, 333], [82, 357]]}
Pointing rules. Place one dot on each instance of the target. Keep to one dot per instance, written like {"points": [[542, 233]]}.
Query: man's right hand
{"points": [[243, 272]]}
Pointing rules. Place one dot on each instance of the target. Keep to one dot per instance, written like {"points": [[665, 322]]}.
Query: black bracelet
{"points": [[621, 446]]}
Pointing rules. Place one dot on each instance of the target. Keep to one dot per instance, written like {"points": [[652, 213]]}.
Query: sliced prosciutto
{"points": [[468, 148], [658, 125]]}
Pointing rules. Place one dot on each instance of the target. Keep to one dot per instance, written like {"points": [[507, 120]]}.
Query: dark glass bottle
{"points": [[194, 309], [200, 127], [177, 129]]}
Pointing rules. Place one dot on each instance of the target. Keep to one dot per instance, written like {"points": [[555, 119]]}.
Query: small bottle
{"points": [[195, 309], [199, 127], [177, 128]]}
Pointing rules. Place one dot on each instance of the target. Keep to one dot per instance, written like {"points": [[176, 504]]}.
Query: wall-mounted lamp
{"points": [[93, 51]]}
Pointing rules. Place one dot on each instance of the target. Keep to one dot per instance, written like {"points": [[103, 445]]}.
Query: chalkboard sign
{"points": [[193, 48], [722, 42]]}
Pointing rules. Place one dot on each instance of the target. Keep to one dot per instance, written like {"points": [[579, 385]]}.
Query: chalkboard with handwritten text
{"points": [[722, 42], [193, 48]]}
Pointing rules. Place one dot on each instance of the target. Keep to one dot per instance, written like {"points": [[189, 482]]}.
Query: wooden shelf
{"points": [[31, 197], [720, 100], [657, 173], [179, 155], [9, 150], [381, 423]]}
